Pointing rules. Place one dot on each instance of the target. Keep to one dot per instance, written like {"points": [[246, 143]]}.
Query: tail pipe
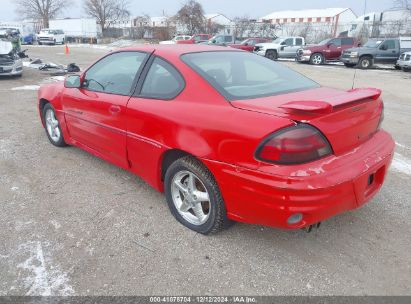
{"points": [[310, 228]]}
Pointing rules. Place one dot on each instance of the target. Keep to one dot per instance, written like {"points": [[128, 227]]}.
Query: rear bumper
{"points": [[318, 190]]}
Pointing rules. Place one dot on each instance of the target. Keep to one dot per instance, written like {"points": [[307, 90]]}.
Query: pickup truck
{"points": [[50, 36], [281, 47], [381, 50], [249, 44], [327, 50], [198, 38]]}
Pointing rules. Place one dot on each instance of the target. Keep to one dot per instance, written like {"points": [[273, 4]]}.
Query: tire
{"points": [[365, 62], [184, 202], [55, 135], [317, 59], [397, 67], [271, 54], [349, 65]]}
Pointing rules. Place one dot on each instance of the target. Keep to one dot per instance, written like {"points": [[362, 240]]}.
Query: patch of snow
{"points": [[14, 188], [43, 279], [401, 164], [26, 88]]}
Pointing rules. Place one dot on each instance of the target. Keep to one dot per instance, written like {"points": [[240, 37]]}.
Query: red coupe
{"points": [[227, 135]]}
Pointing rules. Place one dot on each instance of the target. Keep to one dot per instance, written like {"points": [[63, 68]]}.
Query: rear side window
{"points": [[298, 41], [347, 41], [163, 81], [227, 39]]}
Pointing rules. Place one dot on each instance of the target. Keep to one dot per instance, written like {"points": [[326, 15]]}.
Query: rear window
{"points": [[240, 75]]}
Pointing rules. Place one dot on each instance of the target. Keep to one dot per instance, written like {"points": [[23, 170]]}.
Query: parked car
{"points": [[175, 39], [404, 63], [384, 50], [198, 38], [10, 63], [327, 50], [51, 36], [282, 47], [227, 135], [249, 44], [28, 39], [222, 40]]}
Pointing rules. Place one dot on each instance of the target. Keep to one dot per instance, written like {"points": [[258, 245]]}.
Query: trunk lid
{"points": [[346, 118]]}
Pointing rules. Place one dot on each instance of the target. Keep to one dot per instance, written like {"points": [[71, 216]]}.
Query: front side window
{"points": [[227, 39], [163, 81], [288, 42], [240, 75], [115, 73], [336, 42]]}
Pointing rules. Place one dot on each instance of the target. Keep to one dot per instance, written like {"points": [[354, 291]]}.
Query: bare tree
{"points": [[405, 4], [107, 12], [191, 17], [40, 9], [142, 25]]}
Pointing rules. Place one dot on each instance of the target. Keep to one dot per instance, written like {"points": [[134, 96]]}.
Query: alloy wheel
{"points": [[317, 59], [190, 197], [52, 125]]}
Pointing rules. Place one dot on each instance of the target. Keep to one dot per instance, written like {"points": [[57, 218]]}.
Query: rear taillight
{"points": [[298, 144]]}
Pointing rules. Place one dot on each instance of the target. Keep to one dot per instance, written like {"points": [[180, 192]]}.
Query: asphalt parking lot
{"points": [[72, 224]]}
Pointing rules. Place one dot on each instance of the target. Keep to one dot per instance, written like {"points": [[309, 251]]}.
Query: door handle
{"points": [[114, 109]]}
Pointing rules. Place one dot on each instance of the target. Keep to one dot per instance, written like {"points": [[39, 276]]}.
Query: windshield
{"points": [[373, 43], [238, 75], [245, 41]]}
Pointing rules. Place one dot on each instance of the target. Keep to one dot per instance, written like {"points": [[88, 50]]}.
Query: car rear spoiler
{"points": [[329, 104]]}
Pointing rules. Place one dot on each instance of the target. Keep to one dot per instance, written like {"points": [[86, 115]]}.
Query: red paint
{"points": [[249, 44], [195, 39], [134, 133]]}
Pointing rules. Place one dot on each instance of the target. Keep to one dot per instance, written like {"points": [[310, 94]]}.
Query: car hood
{"points": [[5, 47]]}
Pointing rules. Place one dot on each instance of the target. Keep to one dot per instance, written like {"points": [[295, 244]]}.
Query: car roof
{"points": [[177, 50]]}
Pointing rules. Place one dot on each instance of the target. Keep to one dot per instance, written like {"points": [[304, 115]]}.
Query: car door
{"points": [[334, 49], [148, 114], [95, 113], [387, 52], [286, 48]]}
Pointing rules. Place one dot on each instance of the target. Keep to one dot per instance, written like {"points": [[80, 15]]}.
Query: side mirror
{"points": [[72, 81], [383, 47], [246, 44], [213, 41]]}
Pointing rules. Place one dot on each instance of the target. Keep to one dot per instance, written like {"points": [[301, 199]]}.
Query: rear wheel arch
{"points": [[169, 157]]}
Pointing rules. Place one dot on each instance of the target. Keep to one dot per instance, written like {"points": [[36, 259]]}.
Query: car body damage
{"points": [[10, 61]]}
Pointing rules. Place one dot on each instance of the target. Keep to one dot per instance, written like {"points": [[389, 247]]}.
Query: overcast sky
{"points": [[231, 8]]}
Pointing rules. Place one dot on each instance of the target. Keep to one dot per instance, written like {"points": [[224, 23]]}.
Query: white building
{"points": [[333, 20]]}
